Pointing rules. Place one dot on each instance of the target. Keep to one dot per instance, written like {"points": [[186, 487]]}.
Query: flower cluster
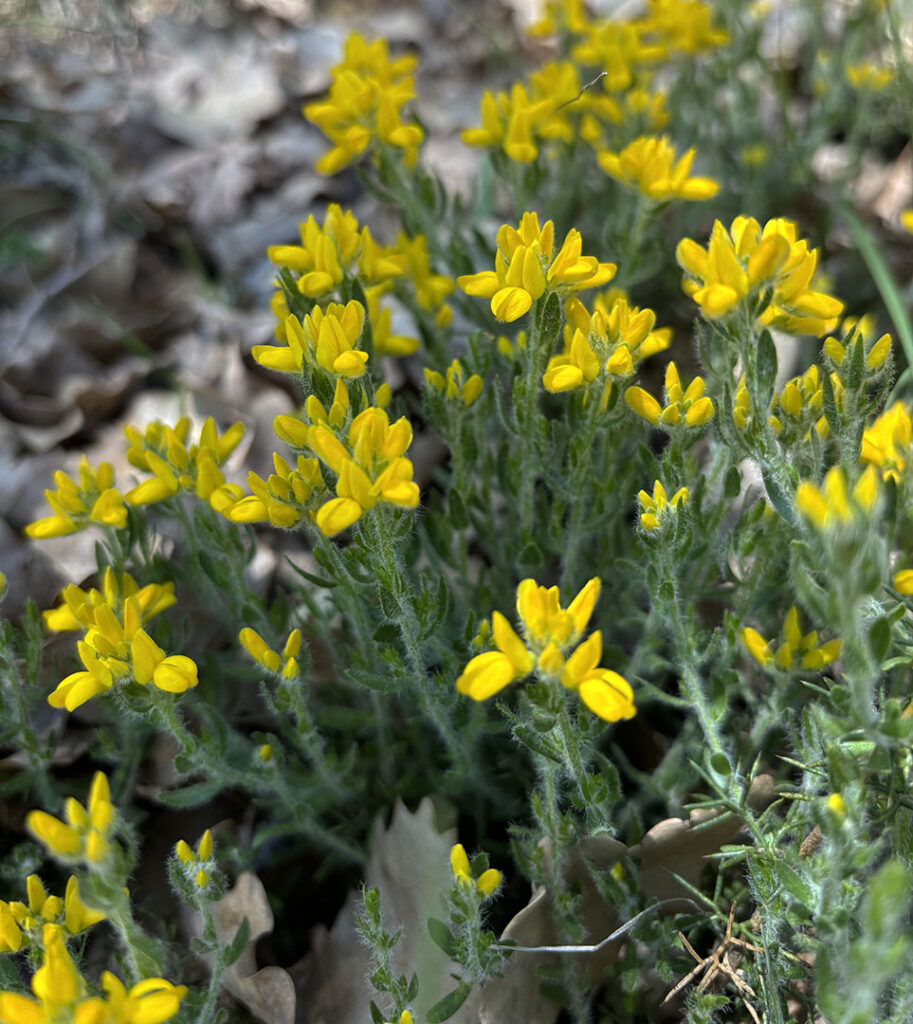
{"points": [[326, 339], [452, 384], [368, 461], [887, 442], [487, 882], [163, 451], [116, 648], [657, 510], [649, 166], [59, 994], [875, 353], [550, 648], [795, 650], [333, 252], [197, 865], [684, 407], [285, 498], [612, 341], [797, 409], [23, 924], [284, 664], [772, 267], [94, 499], [364, 104], [86, 834], [527, 267], [835, 505]]}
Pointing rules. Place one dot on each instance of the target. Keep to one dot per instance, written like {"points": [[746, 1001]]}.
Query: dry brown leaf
{"points": [[269, 993], [516, 996], [671, 847]]}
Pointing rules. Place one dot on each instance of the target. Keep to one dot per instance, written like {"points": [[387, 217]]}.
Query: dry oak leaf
{"points": [[269, 994]]}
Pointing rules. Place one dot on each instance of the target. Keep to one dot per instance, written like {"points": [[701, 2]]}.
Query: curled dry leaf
{"points": [[269, 993], [674, 847]]}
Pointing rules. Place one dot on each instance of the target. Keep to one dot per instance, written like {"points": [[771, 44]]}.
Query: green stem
{"points": [[688, 662], [579, 491], [527, 419], [408, 624]]}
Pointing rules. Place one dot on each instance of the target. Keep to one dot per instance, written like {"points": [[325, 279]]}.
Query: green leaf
{"points": [[441, 935], [767, 367], [449, 1005], [238, 943], [732, 484], [780, 500], [830, 401], [193, 795], [880, 637], [795, 884], [550, 317], [459, 517]]}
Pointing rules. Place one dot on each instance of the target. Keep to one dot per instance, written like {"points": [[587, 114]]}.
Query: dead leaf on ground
{"points": [[410, 863], [673, 847], [269, 993]]}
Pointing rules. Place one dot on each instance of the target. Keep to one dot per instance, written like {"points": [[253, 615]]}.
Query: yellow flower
{"points": [[197, 865], [326, 339], [886, 443], [370, 468], [404, 1018], [834, 505], [329, 254], [876, 352], [56, 985], [151, 1001], [365, 101], [656, 509], [773, 264], [867, 77], [86, 833], [648, 165], [525, 269], [798, 407], [688, 407], [684, 26], [94, 499], [163, 451], [78, 607], [287, 496], [487, 882], [21, 922], [837, 806], [560, 16], [903, 581], [453, 387], [284, 664], [795, 650], [613, 340], [549, 634], [116, 648], [906, 219]]}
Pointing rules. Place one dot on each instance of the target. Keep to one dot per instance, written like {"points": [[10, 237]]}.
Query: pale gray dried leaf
{"points": [[410, 864], [269, 994], [214, 90]]}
